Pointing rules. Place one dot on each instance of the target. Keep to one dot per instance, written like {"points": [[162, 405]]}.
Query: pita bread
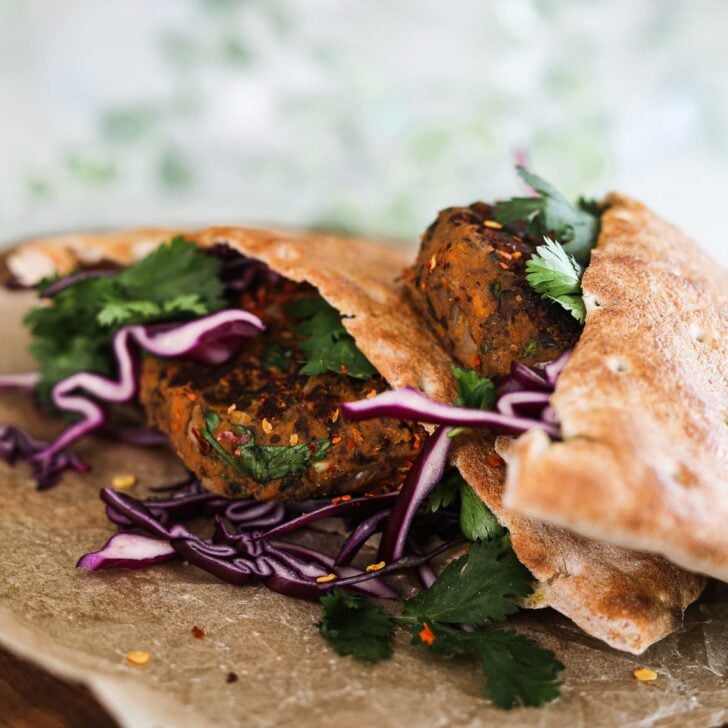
{"points": [[625, 598], [643, 402], [608, 592]]}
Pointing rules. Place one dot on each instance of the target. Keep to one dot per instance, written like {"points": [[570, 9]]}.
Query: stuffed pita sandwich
{"points": [[249, 381]]}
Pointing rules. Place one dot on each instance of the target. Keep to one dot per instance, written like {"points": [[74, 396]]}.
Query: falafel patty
{"points": [[255, 427], [469, 283]]}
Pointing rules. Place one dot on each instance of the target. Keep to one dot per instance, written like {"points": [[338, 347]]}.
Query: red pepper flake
{"points": [[503, 254], [477, 361], [191, 396], [427, 635], [312, 448], [336, 440], [340, 499], [503, 265], [417, 442], [197, 632], [371, 393], [344, 370], [232, 677], [495, 460], [350, 444]]}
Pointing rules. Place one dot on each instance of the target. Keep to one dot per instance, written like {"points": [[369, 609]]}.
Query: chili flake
{"points": [[371, 393], [138, 657], [644, 674], [335, 440], [495, 460], [326, 579], [340, 499], [231, 677], [123, 482], [427, 635], [197, 632], [376, 567], [191, 396], [503, 265]]}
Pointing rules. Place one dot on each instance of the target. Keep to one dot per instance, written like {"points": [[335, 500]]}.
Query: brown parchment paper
{"points": [[80, 626]]}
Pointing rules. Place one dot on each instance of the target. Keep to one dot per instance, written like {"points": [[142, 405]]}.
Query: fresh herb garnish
{"points": [[474, 391], [575, 226], [477, 521], [356, 627], [263, 463], [325, 343], [476, 590], [74, 332], [556, 275]]}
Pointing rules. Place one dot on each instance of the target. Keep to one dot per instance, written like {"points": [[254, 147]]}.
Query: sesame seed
{"points": [[267, 427], [336, 414], [231, 408], [493, 225], [123, 482], [644, 674], [433, 263], [293, 439], [321, 466], [376, 567], [137, 657]]}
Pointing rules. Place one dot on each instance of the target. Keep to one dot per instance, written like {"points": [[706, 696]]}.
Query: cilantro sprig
{"points": [[556, 275], [550, 213], [474, 391], [477, 521], [325, 343], [478, 590], [262, 463], [74, 332]]}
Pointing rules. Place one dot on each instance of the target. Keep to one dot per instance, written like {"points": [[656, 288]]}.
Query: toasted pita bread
{"points": [[627, 600], [643, 402]]}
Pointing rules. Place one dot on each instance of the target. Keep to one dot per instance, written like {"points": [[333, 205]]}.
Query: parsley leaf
{"points": [[556, 275], [474, 391], [263, 463], [356, 626], [475, 589], [477, 522], [517, 670], [550, 213], [74, 333], [326, 344]]}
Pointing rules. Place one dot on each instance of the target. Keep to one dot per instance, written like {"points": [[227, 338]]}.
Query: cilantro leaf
{"points": [[446, 492], [477, 521], [475, 589], [75, 331], [517, 670], [550, 213], [474, 391], [263, 463], [556, 275], [326, 344], [356, 627]]}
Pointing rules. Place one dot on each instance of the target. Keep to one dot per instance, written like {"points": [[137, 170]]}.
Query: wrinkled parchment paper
{"points": [[80, 626]]}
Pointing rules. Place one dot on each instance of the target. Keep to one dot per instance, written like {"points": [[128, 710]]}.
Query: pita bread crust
{"points": [[354, 275], [643, 402], [627, 599]]}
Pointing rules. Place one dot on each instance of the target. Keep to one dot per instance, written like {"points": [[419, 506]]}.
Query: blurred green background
{"points": [[363, 115]]}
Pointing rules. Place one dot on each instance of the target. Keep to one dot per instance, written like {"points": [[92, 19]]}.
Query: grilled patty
{"points": [[469, 282], [256, 427]]}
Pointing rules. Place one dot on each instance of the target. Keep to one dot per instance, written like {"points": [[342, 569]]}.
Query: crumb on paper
{"points": [[138, 657], [231, 677], [644, 674]]}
